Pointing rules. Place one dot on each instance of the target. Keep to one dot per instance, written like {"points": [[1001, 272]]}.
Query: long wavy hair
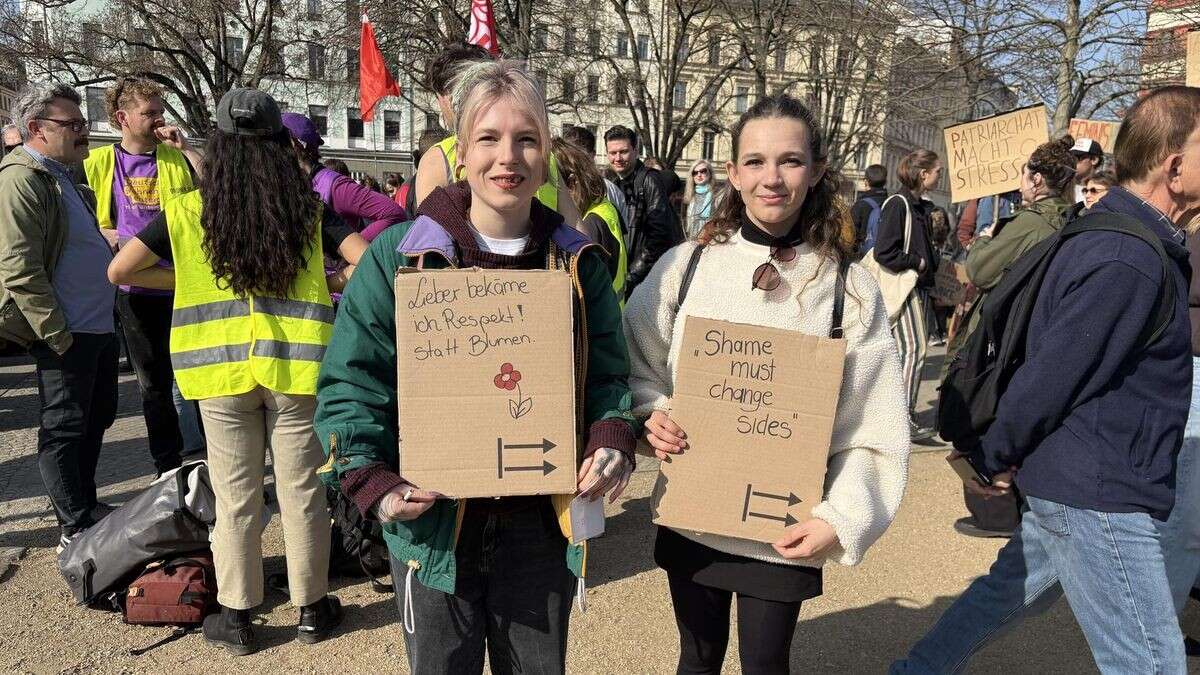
{"points": [[821, 217], [260, 213]]}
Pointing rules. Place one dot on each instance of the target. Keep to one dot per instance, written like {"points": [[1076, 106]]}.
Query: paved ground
{"points": [[868, 616]]}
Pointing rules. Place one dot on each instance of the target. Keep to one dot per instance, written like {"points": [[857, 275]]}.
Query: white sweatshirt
{"points": [[868, 457]]}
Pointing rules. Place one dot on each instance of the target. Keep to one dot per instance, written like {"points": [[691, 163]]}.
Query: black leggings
{"points": [[702, 613]]}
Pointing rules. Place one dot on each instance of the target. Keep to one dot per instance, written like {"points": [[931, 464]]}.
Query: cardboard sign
{"points": [[948, 288], [1103, 132], [486, 379], [1193, 59], [757, 405], [984, 157]]}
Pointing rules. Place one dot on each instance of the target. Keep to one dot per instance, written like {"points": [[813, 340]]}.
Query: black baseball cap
{"points": [[249, 112]]}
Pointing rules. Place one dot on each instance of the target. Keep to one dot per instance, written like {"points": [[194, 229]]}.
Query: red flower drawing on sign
{"points": [[508, 379]]}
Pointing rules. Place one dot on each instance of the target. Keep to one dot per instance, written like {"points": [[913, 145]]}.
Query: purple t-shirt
{"points": [[135, 201]]}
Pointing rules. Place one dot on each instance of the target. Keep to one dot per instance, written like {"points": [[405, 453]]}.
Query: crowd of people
{"points": [[253, 283]]}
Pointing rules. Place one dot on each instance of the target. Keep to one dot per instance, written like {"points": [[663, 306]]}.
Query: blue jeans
{"points": [[1110, 567], [1181, 532], [189, 421]]}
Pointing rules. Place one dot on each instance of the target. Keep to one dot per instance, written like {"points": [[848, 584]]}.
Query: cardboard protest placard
{"points": [[486, 381], [984, 157], [1103, 132], [1193, 59], [948, 288], [757, 405]]}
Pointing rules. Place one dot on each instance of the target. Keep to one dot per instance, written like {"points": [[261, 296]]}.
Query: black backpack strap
{"points": [[836, 331], [1164, 306], [688, 273]]}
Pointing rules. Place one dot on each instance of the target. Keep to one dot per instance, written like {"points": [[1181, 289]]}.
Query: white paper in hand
{"points": [[587, 519]]}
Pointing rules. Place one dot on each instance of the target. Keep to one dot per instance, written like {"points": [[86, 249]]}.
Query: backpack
{"points": [[872, 223], [356, 547], [981, 370], [177, 591]]}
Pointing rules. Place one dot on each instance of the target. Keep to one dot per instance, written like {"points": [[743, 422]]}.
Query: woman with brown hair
{"points": [[901, 244], [600, 221], [772, 255]]}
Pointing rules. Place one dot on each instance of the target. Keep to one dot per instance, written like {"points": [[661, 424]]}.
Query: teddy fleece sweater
{"points": [[868, 456]]}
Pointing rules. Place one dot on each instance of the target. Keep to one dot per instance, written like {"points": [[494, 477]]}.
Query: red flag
{"points": [[374, 80], [483, 27]]}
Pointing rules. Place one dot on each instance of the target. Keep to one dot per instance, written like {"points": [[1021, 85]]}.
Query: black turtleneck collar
{"points": [[756, 235]]}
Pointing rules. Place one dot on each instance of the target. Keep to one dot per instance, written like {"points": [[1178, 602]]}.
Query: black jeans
{"points": [[146, 322], [78, 392], [765, 629], [513, 595]]}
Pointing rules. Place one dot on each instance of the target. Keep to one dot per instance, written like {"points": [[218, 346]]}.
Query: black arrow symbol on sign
{"points": [[790, 498], [546, 445], [786, 520], [544, 467]]}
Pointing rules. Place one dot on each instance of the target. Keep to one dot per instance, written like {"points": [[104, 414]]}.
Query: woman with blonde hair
{"points": [[699, 196], [491, 574]]}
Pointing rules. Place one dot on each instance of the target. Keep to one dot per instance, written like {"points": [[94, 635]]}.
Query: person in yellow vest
{"points": [[252, 318], [130, 179], [600, 220], [440, 166]]}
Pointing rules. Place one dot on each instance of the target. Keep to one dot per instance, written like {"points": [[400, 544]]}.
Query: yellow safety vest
{"points": [[174, 177], [223, 345], [608, 213], [546, 194]]}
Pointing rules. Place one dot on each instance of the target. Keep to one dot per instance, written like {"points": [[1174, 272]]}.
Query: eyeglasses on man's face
{"points": [[76, 125]]}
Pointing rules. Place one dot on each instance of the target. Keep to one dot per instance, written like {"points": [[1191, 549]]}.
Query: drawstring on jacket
{"points": [[410, 619]]}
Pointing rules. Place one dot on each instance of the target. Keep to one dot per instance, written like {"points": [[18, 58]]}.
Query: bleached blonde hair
{"points": [[481, 84]]}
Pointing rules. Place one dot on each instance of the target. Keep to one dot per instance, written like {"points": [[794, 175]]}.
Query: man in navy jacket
{"points": [[1091, 423]]}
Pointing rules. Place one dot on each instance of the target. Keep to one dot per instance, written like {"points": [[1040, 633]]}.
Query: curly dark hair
{"points": [[260, 213], [822, 215], [1054, 161]]}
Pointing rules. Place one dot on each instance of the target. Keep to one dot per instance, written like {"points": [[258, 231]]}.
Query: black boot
{"points": [[318, 620], [230, 629]]}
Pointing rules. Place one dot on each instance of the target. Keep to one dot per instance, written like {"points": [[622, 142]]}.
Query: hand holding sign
{"points": [[664, 436], [806, 540]]}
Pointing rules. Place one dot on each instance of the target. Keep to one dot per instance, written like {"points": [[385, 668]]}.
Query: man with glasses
{"points": [[56, 298], [151, 164], [10, 137]]}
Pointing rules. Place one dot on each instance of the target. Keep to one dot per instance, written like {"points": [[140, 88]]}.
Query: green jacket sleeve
{"points": [[607, 401], [23, 212], [990, 256]]}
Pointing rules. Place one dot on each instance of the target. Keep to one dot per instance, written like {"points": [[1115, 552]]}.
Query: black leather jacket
{"points": [[650, 228]]}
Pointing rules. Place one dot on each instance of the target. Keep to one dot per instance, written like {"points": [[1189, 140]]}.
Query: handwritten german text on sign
{"points": [[757, 405], [984, 157], [1103, 132], [486, 380]]}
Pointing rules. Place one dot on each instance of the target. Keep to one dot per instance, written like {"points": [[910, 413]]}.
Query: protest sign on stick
{"points": [[1103, 132], [984, 157], [757, 405], [486, 381]]}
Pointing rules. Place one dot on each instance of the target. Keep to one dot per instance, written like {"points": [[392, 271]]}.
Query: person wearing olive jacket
{"points": [[491, 573], [1045, 178]]}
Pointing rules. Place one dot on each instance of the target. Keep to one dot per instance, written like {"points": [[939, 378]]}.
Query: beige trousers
{"points": [[239, 430]]}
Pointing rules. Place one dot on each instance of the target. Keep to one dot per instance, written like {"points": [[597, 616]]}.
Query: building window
{"points": [[234, 51], [569, 40], [622, 44], [391, 125], [594, 42], [683, 51], [139, 35], [714, 52], [679, 96], [842, 60], [860, 157], [314, 9], [741, 100], [540, 77], [354, 123], [431, 120], [352, 65], [316, 60], [620, 90], [273, 56], [781, 58], [96, 112], [643, 47], [568, 87], [319, 114], [37, 33], [593, 88], [539, 36], [708, 141], [814, 58]]}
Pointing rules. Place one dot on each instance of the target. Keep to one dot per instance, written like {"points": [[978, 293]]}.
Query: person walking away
{"points": [[251, 321], [782, 208], [1046, 185], [1092, 420], [650, 229], [868, 207], [494, 575], [150, 164], [600, 220], [699, 197], [902, 244], [56, 299]]}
